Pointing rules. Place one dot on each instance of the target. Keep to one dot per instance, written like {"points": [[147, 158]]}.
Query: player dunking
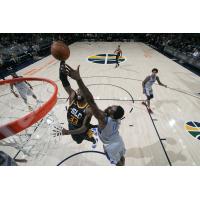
{"points": [[24, 88], [118, 53], [147, 87], [78, 114], [108, 122]]}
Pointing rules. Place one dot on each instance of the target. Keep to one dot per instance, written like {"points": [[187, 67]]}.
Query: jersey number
{"points": [[74, 112], [73, 120]]}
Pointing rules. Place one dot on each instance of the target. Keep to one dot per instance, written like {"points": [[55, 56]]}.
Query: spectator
{"points": [[196, 53]]}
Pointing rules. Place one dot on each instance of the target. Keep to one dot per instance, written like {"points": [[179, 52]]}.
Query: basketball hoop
{"points": [[28, 120]]}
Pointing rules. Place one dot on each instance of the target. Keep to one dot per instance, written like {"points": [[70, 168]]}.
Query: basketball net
{"points": [[33, 141]]}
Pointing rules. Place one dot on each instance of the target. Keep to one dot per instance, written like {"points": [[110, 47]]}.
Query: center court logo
{"points": [[193, 128], [105, 59]]}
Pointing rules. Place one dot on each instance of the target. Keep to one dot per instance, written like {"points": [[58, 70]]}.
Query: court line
{"points": [[37, 69], [160, 139], [116, 87], [78, 154], [170, 88]]}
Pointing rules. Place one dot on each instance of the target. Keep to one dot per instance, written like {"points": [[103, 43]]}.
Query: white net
{"points": [[35, 140]]}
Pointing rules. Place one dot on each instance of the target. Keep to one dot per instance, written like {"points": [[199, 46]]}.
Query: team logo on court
{"points": [[193, 128], [105, 59]]}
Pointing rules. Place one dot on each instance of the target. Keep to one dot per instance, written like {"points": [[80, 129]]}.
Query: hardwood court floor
{"points": [[157, 139]]}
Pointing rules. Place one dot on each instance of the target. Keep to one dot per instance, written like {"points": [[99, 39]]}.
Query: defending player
{"points": [[24, 88], [147, 87]]}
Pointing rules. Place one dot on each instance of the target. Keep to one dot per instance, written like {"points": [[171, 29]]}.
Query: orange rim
{"points": [[28, 120]]}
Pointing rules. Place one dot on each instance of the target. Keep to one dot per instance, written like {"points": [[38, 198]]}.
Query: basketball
{"points": [[60, 51]]}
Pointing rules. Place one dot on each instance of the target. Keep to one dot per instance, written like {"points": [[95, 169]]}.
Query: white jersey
{"points": [[112, 142], [111, 131], [21, 86], [23, 89], [150, 82]]}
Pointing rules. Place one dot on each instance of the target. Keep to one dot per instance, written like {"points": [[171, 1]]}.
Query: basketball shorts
{"points": [[117, 58], [78, 138], [114, 151], [149, 93]]}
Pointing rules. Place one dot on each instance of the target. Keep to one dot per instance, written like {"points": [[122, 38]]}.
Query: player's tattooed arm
{"points": [[99, 114], [159, 82]]}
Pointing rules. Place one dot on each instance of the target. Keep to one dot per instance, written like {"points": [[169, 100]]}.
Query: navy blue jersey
{"points": [[76, 114]]}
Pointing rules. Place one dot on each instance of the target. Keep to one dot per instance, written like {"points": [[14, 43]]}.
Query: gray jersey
{"points": [[111, 131], [112, 141], [150, 82]]}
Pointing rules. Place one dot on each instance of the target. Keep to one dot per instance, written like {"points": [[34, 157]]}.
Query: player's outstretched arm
{"points": [[99, 114], [159, 82], [80, 130], [64, 79]]}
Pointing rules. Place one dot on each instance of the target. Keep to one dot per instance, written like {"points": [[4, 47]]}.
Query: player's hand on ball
{"points": [[74, 74]]}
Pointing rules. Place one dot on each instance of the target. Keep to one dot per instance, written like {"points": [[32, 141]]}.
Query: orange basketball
{"points": [[60, 51]]}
